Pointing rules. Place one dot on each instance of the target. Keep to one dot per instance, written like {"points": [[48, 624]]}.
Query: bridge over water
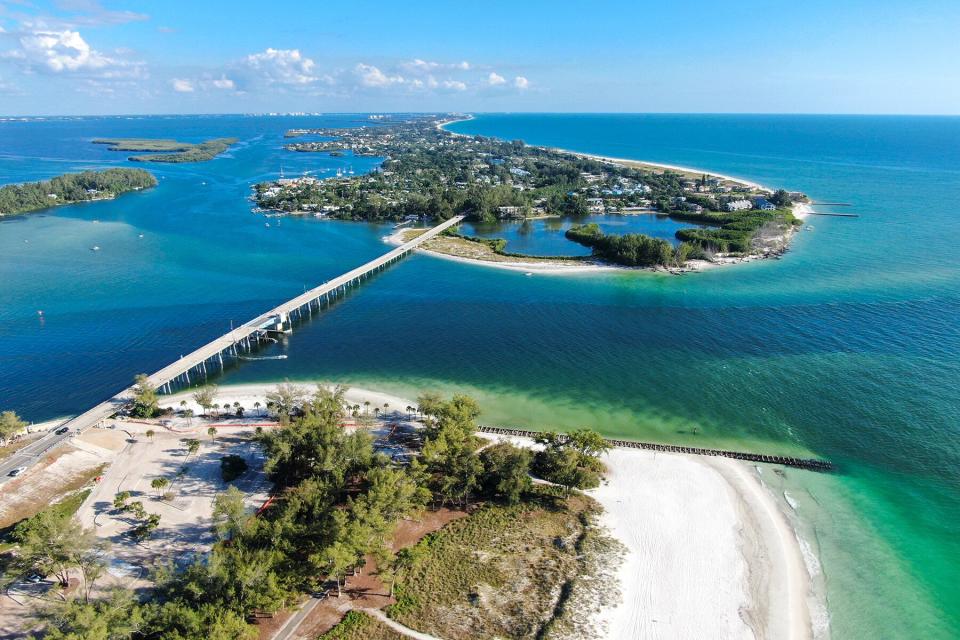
{"points": [[242, 339]]}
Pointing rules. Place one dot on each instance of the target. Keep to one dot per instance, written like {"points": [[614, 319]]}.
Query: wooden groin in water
{"points": [[811, 464]]}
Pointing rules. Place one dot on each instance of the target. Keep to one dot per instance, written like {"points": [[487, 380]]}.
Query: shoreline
{"points": [[729, 562], [542, 267], [628, 161], [801, 211]]}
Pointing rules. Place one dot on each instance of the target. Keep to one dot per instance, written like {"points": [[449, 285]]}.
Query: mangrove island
{"points": [[72, 188], [170, 151]]}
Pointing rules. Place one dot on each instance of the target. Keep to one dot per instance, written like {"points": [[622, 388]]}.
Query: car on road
{"points": [[35, 578], [16, 472], [62, 430]]}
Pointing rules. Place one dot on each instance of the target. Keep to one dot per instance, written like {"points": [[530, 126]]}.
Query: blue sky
{"points": [[812, 56]]}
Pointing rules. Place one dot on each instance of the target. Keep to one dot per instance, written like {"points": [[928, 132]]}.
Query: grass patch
{"points": [[64, 508], [359, 626], [503, 571]]}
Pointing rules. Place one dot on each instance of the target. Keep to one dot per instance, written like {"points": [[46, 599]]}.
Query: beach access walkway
{"points": [[243, 339]]}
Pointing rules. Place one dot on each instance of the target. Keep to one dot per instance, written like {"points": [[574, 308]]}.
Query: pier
{"points": [[811, 464], [834, 215], [196, 366]]}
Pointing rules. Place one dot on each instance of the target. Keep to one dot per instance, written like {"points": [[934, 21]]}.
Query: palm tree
{"points": [[159, 484], [150, 435], [366, 407], [376, 412], [256, 405], [409, 411], [183, 405], [188, 414], [212, 432], [386, 406]]}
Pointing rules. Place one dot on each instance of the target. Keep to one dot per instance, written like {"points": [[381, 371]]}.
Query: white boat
{"points": [[95, 248], [266, 224]]}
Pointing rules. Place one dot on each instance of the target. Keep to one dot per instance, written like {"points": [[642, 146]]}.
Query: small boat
{"points": [[809, 228], [528, 273], [266, 224], [95, 248], [140, 236], [281, 357]]}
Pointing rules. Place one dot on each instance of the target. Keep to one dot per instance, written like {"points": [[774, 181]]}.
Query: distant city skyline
{"points": [[77, 57]]}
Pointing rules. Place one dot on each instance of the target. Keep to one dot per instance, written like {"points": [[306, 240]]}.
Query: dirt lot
{"points": [[185, 520]]}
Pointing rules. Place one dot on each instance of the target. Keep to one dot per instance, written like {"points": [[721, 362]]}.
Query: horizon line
{"points": [[300, 114]]}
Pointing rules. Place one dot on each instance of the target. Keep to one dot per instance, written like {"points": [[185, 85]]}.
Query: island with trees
{"points": [[72, 188], [170, 151], [429, 174]]}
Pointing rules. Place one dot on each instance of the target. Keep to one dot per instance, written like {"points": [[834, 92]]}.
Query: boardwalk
{"points": [[247, 336]]}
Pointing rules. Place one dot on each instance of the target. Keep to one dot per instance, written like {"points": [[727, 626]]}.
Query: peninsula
{"points": [[170, 151], [431, 174], [72, 188], [226, 509]]}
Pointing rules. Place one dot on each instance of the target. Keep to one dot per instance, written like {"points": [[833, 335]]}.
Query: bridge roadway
{"points": [[240, 339]]}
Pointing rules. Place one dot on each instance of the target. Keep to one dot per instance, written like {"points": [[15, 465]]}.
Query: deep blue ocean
{"points": [[847, 348]]}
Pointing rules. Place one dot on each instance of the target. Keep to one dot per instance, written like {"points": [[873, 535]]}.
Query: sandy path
{"points": [[399, 628]]}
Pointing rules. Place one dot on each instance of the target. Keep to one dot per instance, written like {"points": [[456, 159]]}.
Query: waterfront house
{"points": [[738, 205], [763, 204]]}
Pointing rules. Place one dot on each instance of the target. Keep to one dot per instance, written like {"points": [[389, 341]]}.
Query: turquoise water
{"points": [[847, 348]]}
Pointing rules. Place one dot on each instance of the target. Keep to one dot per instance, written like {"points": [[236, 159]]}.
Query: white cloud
{"points": [[281, 66], [423, 67], [67, 51], [456, 85], [495, 79], [182, 86], [223, 83], [371, 76], [521, 83]]}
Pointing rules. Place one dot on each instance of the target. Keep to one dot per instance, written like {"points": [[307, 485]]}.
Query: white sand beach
{"points": [[709, 552]]}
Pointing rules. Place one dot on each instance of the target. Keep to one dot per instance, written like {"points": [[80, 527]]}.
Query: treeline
{"points": [[71, 188], [631, 249], [336, 503], [733, 232]]}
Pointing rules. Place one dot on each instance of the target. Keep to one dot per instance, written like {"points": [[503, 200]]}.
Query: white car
{"points": [[16, 472]]}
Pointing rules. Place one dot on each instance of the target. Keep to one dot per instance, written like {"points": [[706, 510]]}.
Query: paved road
{"points": [[29, 454]]}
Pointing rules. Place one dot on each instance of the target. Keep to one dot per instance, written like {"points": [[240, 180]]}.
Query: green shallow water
{"points": [[848, 348]]}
